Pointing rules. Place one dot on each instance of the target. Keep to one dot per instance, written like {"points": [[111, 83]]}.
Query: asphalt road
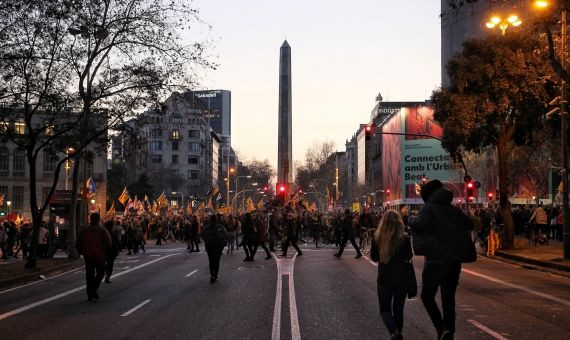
{"points": [[166, 294]]}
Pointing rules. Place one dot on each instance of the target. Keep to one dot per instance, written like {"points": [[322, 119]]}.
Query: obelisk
{"points": [[285, 142]]}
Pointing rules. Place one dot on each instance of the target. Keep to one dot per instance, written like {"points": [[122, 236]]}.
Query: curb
{"points": [[34, 276], [535, 262]]}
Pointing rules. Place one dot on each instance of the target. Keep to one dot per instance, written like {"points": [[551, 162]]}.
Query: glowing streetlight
{"points": [[503, 24], [541, 4]]}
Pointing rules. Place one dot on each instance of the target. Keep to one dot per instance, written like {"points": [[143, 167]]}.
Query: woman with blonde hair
{"points": [[392, 249]]}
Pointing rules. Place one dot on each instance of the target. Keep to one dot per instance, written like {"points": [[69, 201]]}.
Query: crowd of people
{"points": [[440, 231]]}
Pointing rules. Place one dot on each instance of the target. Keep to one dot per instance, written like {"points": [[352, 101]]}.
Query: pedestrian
{"points": [[159, 233], [194, 232], [261, 227], [231, 229], [43, 241], [392, 249], [93, 243], [215, 238], [292, 234], [348, 234], [249, 239], [112, 252], [441, 233]]}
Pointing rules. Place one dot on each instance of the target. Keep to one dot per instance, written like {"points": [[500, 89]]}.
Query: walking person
{"points": [[249, 238], [392, 249], [292, 234], [348, 234], [112, 252], [261, 227], [215, 238], [231, 229], [194, 232], [441, 233], [93, 243]]}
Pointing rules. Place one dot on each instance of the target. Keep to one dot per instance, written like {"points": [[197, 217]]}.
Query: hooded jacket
{"points": [[446, 222]]}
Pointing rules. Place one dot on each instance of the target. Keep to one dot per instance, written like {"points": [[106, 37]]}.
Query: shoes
{"points": [[246, 259], [337, 255], [446, 335], [212, 279], [107, 279], [359, 255], [397, 336]]}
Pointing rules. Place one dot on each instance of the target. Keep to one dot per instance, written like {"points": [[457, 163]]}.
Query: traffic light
{"points": [[424, 179], [368, 132], [490, 196], [387, 193], [470, 191], [265, 189], [300, 191]]}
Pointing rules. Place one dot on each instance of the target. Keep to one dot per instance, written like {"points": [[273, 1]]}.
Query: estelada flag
{"points": [[111, 212], [260, 204], [124, 196]]}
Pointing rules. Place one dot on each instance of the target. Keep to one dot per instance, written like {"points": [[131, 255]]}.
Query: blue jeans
{"points": [[391, 301]]}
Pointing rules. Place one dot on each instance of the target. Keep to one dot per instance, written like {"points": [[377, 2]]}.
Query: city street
{"points": [[166, 294]]}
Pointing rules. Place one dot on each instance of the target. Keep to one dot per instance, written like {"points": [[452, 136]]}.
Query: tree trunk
{"points": [[72, 252], [502, 155], [36, 218]]}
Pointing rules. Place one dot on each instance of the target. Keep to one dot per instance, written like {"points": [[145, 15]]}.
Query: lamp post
{"points": [[503, 23], [543, 5]]}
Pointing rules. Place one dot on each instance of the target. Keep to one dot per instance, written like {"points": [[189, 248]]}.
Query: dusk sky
{"points": [[343, 55]]}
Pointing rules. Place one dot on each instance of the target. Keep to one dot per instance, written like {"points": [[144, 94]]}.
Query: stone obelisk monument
{"points": [[285, 141]]}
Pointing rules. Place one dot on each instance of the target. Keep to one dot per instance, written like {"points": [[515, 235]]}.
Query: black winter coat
{"points": [[447, 222], [395, 273]]}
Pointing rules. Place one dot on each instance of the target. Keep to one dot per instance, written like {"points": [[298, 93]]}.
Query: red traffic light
{"points": [[368, 128], [282, 188], [300, 191], [490, 195], [388, 190], [470, 185]]}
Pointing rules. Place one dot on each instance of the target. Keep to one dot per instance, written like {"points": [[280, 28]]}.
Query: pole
{"points": [[228, 181], [563, 114]]}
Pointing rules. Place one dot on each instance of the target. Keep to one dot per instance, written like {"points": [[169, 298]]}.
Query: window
{"points": [[4, 161], [193, 174], [156, 158], [17, 198], [193, 133], [19, 127], [19, 167], [174, 159], [156, 132], [194, 146], [175, 134], [156, 145], [192, 160], [174, 146], [49, 162], [4, 193]]}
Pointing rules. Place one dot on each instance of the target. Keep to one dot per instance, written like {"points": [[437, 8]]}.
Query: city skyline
{"points": [[335, 82]]}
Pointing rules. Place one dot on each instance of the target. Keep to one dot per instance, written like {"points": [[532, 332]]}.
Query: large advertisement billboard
{"points": [[415, 155]]}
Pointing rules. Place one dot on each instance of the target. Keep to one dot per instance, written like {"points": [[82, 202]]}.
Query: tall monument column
{"points": [[285, 141]]}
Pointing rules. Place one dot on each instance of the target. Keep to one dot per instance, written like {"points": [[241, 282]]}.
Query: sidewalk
{"points": [[12, 270], [541, 256]]}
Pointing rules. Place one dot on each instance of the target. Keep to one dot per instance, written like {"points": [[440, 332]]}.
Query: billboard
{"points": [[414, 155]]}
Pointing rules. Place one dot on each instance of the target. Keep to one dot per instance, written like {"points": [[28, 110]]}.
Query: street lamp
{"points": [[543, 5], [230, 171], [9, 204], [503, 23]]}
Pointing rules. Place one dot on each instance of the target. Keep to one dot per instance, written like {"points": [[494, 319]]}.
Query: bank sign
{"points": [[415, 155]]}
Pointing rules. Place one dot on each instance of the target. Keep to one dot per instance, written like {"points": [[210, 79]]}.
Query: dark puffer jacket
{"points": [[446, 222]]}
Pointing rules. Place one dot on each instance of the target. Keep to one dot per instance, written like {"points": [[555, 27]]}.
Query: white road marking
{"points": [[524, 289], [276, 332], [192, 273], [487, 330], [71, 291], [33, 283], [156, 255], [285, 267], [130, 311], [369, 260]]}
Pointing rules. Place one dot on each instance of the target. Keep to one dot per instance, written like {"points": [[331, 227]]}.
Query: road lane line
{"points": [[369, 260], [487, 330], [192, 273], [295, 329], [524, 289], [134, 309], [71, 291], [276, 331], [48, 278]]}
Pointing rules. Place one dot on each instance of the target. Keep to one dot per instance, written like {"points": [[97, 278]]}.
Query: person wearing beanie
{"points": [[442, 228]]}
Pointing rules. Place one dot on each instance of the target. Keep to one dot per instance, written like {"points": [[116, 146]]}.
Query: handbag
{"points": [[412, 282]]}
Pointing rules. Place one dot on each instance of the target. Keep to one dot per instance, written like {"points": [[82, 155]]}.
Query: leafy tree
{"points": [[77, 68], [499, 87]]}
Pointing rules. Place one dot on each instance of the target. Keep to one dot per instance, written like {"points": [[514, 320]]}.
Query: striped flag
{"points": [[124, 196], [250, 205], [260, 204], [162, 201], [111, 212]]}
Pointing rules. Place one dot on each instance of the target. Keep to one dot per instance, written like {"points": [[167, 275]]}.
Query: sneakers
{"points": [[337, 255]]}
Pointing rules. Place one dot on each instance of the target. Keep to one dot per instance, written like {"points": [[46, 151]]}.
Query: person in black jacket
{"points": [[112, 252], [442, 265], [348, 234], [392, 248], [292, 235], [215, 238]]}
